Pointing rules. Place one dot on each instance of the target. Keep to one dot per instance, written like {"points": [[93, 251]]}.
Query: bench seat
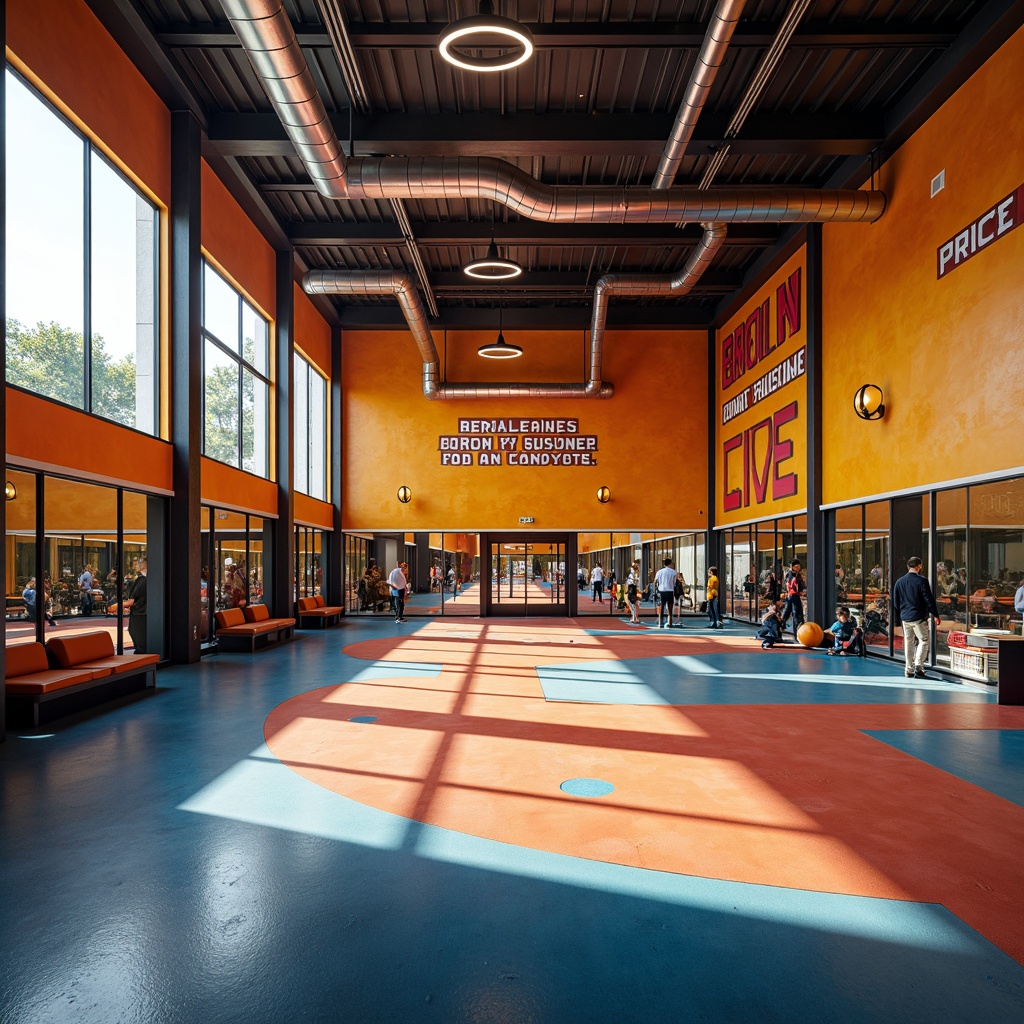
{"points": [[69, 665], [313, 609], [251, 628]]}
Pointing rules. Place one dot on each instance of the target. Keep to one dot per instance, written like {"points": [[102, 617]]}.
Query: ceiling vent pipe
{"points": [[266, 35], [652, 284], [361, 282], [709, 60]]}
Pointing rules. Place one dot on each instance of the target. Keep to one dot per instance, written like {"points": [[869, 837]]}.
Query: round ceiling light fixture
{"points": [[501, 349], [492, 267], [463, 41]]}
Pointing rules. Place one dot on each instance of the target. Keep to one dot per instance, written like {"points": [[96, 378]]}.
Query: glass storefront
{"points": [[74, 549], [755, 561], [233, 569], [615, 552], [971, 540], [309, 562]]}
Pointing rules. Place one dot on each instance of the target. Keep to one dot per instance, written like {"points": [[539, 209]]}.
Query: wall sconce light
{"points": [[404, 495], [11, 491], [604, 495], [867, 403]]}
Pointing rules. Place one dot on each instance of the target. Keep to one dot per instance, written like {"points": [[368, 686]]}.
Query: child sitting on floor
{"points": [[847, 637], [771, 629]]}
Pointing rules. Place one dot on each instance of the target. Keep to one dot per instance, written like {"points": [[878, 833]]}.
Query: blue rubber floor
{"points": [[157, 864]]}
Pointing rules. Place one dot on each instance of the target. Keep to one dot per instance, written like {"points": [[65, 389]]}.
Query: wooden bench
{"points": [[70, 665], [251, 628], [314, 610]]}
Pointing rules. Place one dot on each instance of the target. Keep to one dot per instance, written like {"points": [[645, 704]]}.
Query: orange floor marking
{"points": [[787, 795]]}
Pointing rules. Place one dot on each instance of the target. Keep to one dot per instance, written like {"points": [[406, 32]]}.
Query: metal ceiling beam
{"points": [[532, 282], [673, 316], [554, 135], [590, 35], [136, 34], [349, 235]]}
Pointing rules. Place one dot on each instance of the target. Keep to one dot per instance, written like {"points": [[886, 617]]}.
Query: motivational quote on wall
{"points": [[512, 441]]}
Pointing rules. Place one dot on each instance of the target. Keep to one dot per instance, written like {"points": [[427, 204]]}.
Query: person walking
{"points": [[795, 586], [597, 583], [665, 584], [714, 612], [85, 585], [633, 593], [912, 603], [135, 604], [398, 584]]}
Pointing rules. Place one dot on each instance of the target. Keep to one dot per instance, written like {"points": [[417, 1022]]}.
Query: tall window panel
{"points": [[81, 270], [236, 387], [310, 430]]}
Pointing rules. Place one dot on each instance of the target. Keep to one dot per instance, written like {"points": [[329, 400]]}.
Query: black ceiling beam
{"points": [[136, 34], [627, 317], [606, 36], [995, 22], [349, 235], [562, 281], [554, 135]]}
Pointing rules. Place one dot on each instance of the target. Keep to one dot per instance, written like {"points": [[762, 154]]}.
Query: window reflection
{"points": [[49, 314]]}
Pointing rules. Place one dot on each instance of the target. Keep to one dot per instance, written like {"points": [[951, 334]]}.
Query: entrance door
{"points": [[527, 575]]}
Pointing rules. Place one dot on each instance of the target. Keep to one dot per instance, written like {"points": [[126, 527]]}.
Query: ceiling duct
{"points": [[651, 284], [709, 60], [267, 36], [360, 282]]}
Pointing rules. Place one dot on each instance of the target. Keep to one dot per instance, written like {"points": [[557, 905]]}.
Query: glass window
{"points": [[995, 555], [72, 217], [876, 577], [123, 355], [237, 390], [310, 430]]}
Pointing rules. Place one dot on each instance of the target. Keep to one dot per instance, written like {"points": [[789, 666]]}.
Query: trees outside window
{"points": [[81, 269], [236, 388]]}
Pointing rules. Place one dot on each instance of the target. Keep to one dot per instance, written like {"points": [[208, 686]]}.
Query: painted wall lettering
{"points": [[995, 222], [513, 441], [762, 385], [755, 458]]}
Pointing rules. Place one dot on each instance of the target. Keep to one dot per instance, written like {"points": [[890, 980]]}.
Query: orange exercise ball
{"points": [[810, 634]]}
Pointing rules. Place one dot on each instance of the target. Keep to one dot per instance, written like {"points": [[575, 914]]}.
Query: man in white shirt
{"points": [[597, 583], [665, 583], [398, 584]]}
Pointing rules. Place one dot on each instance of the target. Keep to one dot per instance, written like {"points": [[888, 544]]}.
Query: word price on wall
{"points": [[762, 387], [511, 441]]}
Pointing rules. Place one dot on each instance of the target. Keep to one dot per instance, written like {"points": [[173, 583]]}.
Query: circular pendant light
{"points": [[461, 42], [501, 349], [492, 267]]}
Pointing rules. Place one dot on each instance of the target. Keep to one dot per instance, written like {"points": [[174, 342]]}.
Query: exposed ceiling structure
{"points": [[793, 95]]}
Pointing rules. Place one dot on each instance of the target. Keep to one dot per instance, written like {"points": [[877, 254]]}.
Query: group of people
{"points": [[135, 602]]}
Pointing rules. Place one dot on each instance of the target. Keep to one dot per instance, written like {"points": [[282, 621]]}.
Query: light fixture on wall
{"points": [[492, 267], [461, 42], [500, 349], [404, 495], [867, 403], [11, 491], [604, 495]]}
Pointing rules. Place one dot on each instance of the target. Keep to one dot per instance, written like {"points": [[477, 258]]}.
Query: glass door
{"points": [[527, 577]]}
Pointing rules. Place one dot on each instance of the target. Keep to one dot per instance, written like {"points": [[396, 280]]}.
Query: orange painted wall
{"points": [[230, 487], [312, 333], [767, 440], [311, 512], [236, 245], [45, 435], [947, 353], [64, 46], [652, 435]]}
